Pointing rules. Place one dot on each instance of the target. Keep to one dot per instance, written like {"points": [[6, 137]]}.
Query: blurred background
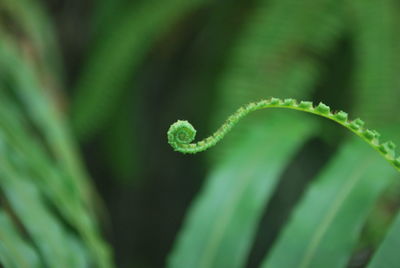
{"points": [[88, 90]]}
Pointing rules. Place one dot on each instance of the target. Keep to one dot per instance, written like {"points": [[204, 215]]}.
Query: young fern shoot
{"points": [[181, 134]]}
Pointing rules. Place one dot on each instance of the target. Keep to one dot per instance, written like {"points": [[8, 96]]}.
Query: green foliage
{"points": [[223, 219], [339, 200], [15, 251], [247, 77], [284, 189], [345, 186], [46, 194]]}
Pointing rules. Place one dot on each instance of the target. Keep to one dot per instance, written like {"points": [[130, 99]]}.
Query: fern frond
{"points": [[182, 133]]}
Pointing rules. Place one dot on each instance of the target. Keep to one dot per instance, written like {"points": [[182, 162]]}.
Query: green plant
{"points": [[282, 190], [182, 133]]}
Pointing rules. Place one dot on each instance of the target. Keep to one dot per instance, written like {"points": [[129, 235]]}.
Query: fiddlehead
{"points": [[182, 133]]}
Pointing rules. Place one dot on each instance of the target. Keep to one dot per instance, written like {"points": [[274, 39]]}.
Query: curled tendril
{"points": [[182, 133]]}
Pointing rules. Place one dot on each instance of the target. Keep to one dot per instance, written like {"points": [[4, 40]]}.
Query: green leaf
{"points": [[387, 254], [326, 224], [37, 30], [45, 116], [60, 175], [48, 178], [15, 252], [222, 221], [46, 231]]}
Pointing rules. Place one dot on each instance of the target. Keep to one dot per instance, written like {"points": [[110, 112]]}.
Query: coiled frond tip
{"points": [[180, 133]]}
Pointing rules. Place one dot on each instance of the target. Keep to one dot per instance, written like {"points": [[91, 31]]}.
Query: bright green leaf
{"points": [[326, 224]]}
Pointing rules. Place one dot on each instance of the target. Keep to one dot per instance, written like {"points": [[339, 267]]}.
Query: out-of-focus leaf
{"points": [[82, 257], [15, 252], [65, 166], [45, 230], [30, 21], [222, 221], [49, 179], [118, 55], [388, 253], [327, 222], [45, 116]]}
